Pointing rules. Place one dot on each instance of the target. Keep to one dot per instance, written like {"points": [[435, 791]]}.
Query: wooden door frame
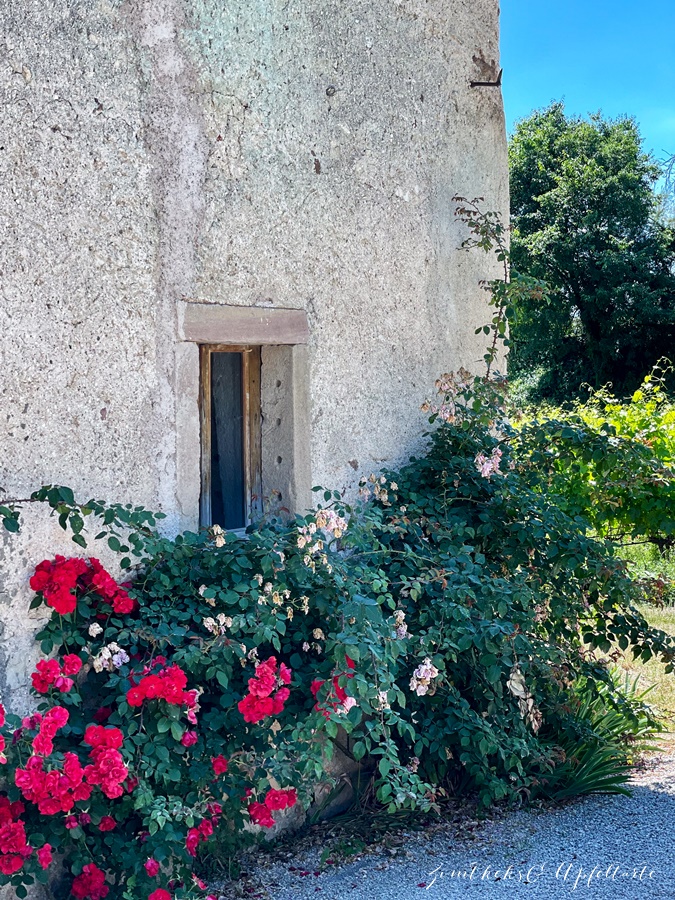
{"points": [[252, 430]]}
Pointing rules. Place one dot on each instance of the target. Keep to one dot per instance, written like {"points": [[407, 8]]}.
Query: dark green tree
{"points": [[586, 221]]}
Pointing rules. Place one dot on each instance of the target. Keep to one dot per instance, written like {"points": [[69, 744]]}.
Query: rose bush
{"points": [[440, 622], [137, 756], [437, 630]]}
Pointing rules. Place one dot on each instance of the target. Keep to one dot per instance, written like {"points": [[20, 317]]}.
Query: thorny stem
{"points": [[487, 233]]}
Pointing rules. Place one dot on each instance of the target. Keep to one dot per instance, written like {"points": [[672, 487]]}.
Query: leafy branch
{"points": [[487, 232], [127, 528]]}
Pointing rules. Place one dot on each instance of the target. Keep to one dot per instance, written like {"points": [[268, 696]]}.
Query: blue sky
{"points": [[618, 57]]}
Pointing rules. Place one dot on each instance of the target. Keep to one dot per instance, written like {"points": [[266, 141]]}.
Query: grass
{"points": [[654, 569], [652, 674]]}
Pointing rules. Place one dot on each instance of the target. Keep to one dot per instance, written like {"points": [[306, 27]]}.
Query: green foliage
{"points": [[647, 416], [125, 526], [586, 222], [437, 630], [609, 461], [499, 586], [441, 630], [602, 739], [653, 569]]}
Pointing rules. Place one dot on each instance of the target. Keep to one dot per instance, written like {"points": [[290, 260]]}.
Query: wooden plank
{"points": [[210, 323], [255, 433], [205, 422], [228, 434], [246, 429]]}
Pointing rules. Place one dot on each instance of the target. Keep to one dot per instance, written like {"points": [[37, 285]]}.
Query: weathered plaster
{"points": [[296, 155], [338, 133]]}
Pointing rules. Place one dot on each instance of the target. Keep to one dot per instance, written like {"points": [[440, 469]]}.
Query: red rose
{"points": [[47, 671], [279, 699], [131, 784], [205, 829], [123, 604], [275, 800], [43, 745], [108, 769], [57, 580], [281, 799], [90, 884], [151, 866], [135, 696], [192, 841], [107, 823], [254, 709], [263, 684], [260, 815], [71, 664], [44, 856], [64, 603], [93, 735], [160, 894], [13, 846], [152, 686], [41, 578], [284, 674], [219, 764], [59, 715], [98, 736], [340, 692], [101, 581], [10, 864], [189, 738]]}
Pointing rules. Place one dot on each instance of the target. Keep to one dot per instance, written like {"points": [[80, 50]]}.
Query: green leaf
{"points": [[385, 767]]}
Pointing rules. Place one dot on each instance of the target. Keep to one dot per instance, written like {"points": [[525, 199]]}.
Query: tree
{"points": [[586, 221]]}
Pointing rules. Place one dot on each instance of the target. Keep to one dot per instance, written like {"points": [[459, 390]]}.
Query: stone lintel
{"points": [[211, 323]]}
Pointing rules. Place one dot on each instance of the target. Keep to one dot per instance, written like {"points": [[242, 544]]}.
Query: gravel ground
{"points": [[598, 848]]}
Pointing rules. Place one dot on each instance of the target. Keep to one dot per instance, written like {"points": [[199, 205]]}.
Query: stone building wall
{"points": [[284, 155]]}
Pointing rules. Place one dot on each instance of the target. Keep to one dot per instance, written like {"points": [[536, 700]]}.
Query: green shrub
{"points": [[608, 461], [438, 630], [610, 728], [443, 622]]}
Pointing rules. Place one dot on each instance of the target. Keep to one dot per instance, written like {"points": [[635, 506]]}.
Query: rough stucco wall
{"points": [[301, 154], [77, 255], [346, 128]]}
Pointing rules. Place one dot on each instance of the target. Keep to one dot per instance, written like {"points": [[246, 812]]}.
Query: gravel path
{"points": [[601, 848]]}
